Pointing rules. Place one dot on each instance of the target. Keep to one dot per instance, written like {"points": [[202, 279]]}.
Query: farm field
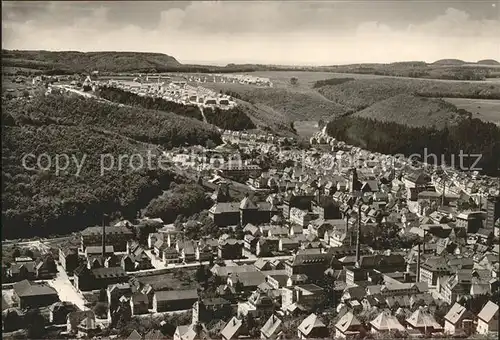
{"points": [[487, 110]]}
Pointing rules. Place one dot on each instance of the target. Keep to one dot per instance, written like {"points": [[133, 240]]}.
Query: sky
{"points": [[268, 32]]}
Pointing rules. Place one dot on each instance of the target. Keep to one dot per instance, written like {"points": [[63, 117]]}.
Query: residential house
{"points": [[459, 320], [234, 329], [487, 319], [349, 326], [205, 310], [82, 323], [266, 246], [173, 300], [59, 312], [432, 269], [312, 328], [139, 303], [386, 322], [230, 249], [305, 296], [68, 258], [246, 282], [272, 329], [90, 279], [33, 295], [185, 332], [423, 321]]}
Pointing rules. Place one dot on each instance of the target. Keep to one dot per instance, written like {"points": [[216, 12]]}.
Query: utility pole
{"points": [[103, 237], [358, 247]]}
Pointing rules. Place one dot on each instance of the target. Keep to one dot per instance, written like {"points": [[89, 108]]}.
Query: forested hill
{"points": [[72, 61], [42, 202], [451, 141]]}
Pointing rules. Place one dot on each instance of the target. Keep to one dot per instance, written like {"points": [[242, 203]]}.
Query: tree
{"points": [[26, 94], [210, 144], [29, 253], [35, 324], [16, 253], [294, 81]]}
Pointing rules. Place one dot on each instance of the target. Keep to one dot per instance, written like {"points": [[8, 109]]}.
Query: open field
{"points": [[306, 128], [484, 109], [176, 280]]}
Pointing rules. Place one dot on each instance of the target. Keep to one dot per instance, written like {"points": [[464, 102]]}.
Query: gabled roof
{"points": [[232, 328], [488, 311], [455, 313], [175, 295], [310, 323], [385, 321], [347, 321], [422, 318], [25, 288], [247, 204], [272, 326], [134, 335]]}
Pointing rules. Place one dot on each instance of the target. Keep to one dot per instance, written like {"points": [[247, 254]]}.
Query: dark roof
{"points": [[109, 230], [101, 273], [25, 288], [174, 295]]}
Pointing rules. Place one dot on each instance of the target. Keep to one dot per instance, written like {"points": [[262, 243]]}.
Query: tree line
{"points": [[469, 137]]}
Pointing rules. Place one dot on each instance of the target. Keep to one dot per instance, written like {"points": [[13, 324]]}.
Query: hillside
{"points": [[292, 104], [414, 111], [488, 62], [449, 62], [37, 202], [163, 128], [358, 94], [72, 61], [447, 144]]}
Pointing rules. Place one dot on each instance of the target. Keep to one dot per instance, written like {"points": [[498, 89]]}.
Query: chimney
{"points": [[418, 263], [103, 237], [358, 255]]}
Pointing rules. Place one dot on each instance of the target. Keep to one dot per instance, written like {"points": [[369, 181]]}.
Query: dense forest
{"points": [[232, 119], [42, 202], [38, 201], [150, 126], [128, 98], [183, 199], [469, 136]]}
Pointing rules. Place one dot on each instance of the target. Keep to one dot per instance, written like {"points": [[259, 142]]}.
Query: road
{"points": [[65, 290]]}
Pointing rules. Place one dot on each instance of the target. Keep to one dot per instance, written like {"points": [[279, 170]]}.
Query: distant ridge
{"points": [[73, 61], [453, 62], [488, 62]]}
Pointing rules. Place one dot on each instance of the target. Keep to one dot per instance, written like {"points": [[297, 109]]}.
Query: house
{"points": [[306, 296], [134, 335], [423, 321], [234, 329], [310, 264], [487, 319], [68, 257], [312, 328], [60, 310], [172, 300], [185, 332], [349, 326], [272, 329], [82, 323], [386, 322], [33, 295], [22, 269], [139, 303], [458, 320], [90, 279], [246, 282], [230, 249], [115, 236], [205, 310], [433, 268]]}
